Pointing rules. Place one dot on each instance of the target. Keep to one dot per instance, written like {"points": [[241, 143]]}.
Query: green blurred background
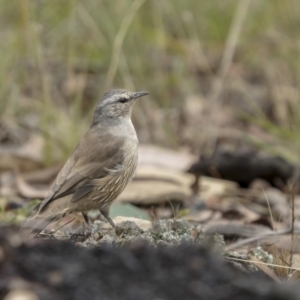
{"points": [[58, 57]]}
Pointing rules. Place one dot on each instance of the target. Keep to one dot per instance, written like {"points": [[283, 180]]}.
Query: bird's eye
{"points": [[123, 100]]}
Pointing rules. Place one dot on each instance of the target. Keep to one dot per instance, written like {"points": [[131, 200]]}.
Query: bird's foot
{"points": [[82, 233], [86, 229], [118, 230]]}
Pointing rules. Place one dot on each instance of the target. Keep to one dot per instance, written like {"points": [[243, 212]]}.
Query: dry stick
{"points": [[292, 230], [52, 233], [118, 42], [89, 22], [63, 225], [257, 238], [153, 214], [47, 235], [173, 209], [264, 268], [230, 47], [269, 207], [261, 263], [292, 227]]}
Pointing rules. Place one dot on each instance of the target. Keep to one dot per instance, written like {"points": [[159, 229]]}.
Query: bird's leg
{"points": [[105, 214], [86, 218], [86, 225]]}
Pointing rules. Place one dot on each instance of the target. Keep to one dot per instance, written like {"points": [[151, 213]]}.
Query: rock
{"points": [[166, 232], [153, 185], [210, 187], [143, 224]]}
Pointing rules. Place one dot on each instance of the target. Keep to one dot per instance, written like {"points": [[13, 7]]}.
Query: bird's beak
{"points": [[139, 94]]}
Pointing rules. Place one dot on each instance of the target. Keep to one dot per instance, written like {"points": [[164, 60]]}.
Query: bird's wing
{"points": [[59, 181], [85, 164]]}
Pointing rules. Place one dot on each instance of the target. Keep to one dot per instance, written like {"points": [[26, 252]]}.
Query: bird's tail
{"points": [[37, 222], [41, 218]]}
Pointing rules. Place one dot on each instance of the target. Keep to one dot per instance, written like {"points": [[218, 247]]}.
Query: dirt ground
{"points": [[51, 269]]}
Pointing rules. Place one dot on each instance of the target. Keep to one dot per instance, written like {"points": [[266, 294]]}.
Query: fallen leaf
{"points": [[160, 157]]}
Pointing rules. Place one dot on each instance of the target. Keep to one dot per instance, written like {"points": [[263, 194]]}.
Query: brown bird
{"points": [[100, 167]]}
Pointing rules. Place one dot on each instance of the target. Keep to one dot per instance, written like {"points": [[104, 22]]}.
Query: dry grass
{"points": [[58, 58]]}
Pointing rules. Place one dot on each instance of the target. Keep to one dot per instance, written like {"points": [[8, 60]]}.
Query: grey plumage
{"points": [[99, 168]]}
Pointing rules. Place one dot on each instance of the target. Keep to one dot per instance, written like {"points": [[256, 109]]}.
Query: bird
{"points": [[99, 168]]}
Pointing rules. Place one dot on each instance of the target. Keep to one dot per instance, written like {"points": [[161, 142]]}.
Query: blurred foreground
{"points": [[224, 82]]}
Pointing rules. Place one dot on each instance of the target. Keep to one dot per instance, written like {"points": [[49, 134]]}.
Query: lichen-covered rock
{"points": [[263, 255], [169, 232], [240, 261], [162, 232]]}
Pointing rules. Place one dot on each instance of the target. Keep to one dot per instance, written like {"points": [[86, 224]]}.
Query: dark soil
{"points": [[244, 168], [60, 270]]}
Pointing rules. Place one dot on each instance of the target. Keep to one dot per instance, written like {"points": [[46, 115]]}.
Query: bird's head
{"points": [[116, 104]]}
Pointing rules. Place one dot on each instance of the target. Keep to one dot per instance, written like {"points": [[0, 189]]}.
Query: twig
{"points": [[119, 39], [230, 46], [292, 227], [269, 207], [261, 262], [44, 234], [173, 210], [153, 214], [257, 238], [63, 225]]}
